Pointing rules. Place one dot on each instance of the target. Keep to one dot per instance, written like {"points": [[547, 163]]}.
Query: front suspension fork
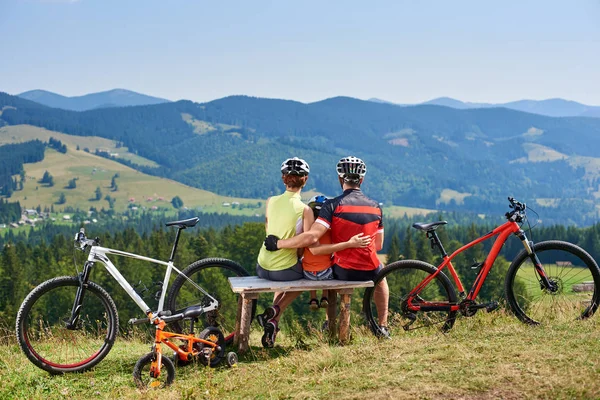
{"points": [[545, 283], [84, 276]]}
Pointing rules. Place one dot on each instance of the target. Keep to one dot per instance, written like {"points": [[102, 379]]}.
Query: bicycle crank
{"points": [[468, 308]]}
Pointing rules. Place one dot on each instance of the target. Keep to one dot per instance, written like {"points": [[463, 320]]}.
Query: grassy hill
{"points": [[489, 356], [93, 171], [24, 133]]}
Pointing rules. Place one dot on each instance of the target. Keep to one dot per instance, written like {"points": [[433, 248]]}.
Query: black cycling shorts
{"points": [[344, 274], [292, 273]]}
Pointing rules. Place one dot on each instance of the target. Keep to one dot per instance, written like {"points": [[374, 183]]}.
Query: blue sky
{"points": [[402, 51]]}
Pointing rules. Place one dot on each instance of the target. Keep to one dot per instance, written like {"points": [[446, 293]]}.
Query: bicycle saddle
{"points": [[184, 223], [428, 227]]}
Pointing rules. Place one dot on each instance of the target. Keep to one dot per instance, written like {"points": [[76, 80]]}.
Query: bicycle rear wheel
{"points": [[211, 274], [402, 277], [574, 273], [44, 337]]}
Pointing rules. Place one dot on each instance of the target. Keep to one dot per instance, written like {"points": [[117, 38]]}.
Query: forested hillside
{"points": [[423, 156], [49, 252]]}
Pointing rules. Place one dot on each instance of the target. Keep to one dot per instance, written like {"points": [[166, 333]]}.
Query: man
{"points": [[347, 215]]}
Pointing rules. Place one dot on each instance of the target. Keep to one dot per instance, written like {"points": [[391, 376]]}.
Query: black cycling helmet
{"points": [[315, 203], [351, 169], [295, 166]]}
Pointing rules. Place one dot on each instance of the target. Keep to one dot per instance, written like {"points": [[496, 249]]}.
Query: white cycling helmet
{"points": [[351, 168], [295, 166]]}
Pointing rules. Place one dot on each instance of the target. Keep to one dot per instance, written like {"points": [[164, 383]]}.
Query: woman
{"points": [[286, 216]]}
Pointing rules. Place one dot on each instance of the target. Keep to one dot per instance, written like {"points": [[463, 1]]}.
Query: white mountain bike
{"points": [[69, 323]]}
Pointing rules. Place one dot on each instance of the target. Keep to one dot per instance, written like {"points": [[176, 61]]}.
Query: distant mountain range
{"points": [[110, 98], [123, 97], [550, 107], [425, 156]]}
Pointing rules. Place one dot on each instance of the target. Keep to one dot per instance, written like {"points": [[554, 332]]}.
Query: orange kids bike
{"points": [[154, 370], [547, 282]]}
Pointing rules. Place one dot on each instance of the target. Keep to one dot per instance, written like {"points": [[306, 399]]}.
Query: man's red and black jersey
{"points": [[348, 215]]}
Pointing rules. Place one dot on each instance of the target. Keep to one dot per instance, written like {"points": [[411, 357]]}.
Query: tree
{"points": [[62, 199], [47, 179], [177, 202], [424, 252], [72, 183], [410, 250], [111, 201], [394, 250], [98, 193], [12, 281]]}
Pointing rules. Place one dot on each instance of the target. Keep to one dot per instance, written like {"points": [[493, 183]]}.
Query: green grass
{"points": [[488, 356], [448, 194], [570, 276]]}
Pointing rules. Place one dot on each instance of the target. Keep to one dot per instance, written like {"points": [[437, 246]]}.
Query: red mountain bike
{"points": [[547, 282]]}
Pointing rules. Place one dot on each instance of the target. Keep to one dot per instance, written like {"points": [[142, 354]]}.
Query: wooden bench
{"points": [[249, 288]]}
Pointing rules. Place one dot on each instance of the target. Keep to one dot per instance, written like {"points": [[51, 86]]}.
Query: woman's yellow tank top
{"points": [[284, 215]]}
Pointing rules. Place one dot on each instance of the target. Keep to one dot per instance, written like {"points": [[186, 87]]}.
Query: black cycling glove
{"points": [[271, 243]]}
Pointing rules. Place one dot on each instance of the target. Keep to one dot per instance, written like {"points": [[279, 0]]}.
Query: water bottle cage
{"points": [[477, 265]]}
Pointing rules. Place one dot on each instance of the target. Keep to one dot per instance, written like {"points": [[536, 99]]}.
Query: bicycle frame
{"points": [[503, 232], [99, 254], [163, 336]]}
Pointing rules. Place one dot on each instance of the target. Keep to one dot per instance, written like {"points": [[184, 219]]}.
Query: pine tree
{"points": [[424, 252], [410, 250], [394, 250], [177, 202], [98, 193], [12, 282]]}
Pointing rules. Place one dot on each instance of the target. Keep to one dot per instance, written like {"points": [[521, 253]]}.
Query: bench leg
{"points": [[238, 317], [346, 295], [332, 313], [245, 320]]}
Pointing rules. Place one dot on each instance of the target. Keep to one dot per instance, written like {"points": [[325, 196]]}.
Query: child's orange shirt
{"points": [[313, 263]]}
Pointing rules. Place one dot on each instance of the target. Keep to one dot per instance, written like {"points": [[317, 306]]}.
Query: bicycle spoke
{"points": [[566, 265]]}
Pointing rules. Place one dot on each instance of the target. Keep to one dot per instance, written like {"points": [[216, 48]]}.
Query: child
{"points": [[317, 260]]}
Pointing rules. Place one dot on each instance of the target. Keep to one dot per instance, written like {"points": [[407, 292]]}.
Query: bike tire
{"points": [[211, 274], [403, 276], [214, 335], [142, 377], [567, 265], [44, 338]]}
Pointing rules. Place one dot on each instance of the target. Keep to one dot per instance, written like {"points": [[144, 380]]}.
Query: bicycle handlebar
{"points": [[81, 241], [518, 212]]}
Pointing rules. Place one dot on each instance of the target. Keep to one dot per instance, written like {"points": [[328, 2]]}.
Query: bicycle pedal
{"points": [[491, 306]]}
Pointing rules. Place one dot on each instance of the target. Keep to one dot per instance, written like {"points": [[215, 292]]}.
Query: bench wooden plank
{"points": [[254, 284]]}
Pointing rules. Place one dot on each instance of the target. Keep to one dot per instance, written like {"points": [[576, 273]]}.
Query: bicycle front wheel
{"points": [[210, 274], [145, 377], [44, 337], [402, 277], [576, 280]]}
